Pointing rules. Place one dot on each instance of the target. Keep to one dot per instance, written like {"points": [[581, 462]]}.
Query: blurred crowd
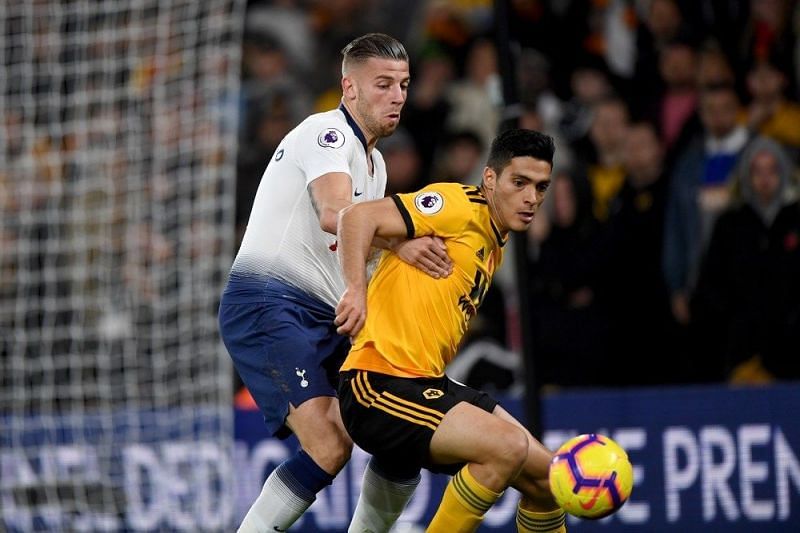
{"points": [[668, 251]]}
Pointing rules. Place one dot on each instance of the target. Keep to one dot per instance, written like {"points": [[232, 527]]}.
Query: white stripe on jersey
{"points": [[283, 239]]}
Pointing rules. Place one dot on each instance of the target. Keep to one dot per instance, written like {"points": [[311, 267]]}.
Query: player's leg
{"points": [[397, 419], [385, 491], [280, 349], [389, 480], [319, 429], [494, 450], [537, 511], [293, 486], [396, 432]]}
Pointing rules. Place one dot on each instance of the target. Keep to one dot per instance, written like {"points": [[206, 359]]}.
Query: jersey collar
{"points": [[351, 121], [499, 237]]}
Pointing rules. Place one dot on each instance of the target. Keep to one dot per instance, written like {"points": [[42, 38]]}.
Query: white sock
{"points": [[275, 509], [381, 502]]}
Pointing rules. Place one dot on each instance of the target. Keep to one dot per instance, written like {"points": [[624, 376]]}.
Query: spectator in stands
{"points": [[426, 110], [770, 112], [290, 25], [748, 294], [475, 99], [678, 100], [568, 321], [712, 68], [267, 70], [589, 83], [768, 33], [600, 155], [459, 158], [699, 191], [662, 23], [541, 109], [530, 118], [335, 23], [637, 296], [403, 163], [445, 27], [604, 33]]}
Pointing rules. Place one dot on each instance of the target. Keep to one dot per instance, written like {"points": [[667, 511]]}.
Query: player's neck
{"points": [[371, 140], [493, 213]]}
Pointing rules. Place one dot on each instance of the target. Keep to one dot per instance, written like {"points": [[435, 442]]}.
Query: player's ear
{"points": [[489, 178], [348, 88]]}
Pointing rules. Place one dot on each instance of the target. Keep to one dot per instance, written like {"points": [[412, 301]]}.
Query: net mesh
{"points": [[117, 148]]}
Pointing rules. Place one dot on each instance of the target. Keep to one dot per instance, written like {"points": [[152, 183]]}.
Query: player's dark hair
{"points": [[520, 143], [373, 45]]}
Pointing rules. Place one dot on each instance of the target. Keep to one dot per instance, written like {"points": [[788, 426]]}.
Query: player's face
{"points": [[378, 89], [518, 192]]}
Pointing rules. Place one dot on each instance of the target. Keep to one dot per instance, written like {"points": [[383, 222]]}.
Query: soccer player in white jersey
{"points": [[277, 310]]}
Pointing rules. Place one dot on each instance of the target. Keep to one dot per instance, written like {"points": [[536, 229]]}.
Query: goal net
{"points": [[117, 147]]}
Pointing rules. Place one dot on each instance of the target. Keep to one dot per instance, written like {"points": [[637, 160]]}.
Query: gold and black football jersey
{"points": [[415, 322]]}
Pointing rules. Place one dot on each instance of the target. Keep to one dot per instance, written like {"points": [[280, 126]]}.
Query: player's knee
{"points": [[512, 451], [341, 452], [333, 452]]}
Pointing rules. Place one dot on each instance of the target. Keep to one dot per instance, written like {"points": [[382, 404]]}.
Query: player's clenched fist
{"points": [[351, 312]]}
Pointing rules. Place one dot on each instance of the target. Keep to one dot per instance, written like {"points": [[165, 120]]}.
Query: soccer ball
{"points": [[590, 476]]}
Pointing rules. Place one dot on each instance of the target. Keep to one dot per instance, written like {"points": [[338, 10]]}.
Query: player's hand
{"points": [[351, 312], [428, 254]]}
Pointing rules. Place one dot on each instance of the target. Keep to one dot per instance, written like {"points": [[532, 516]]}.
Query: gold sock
{"points": [[534, 522], [464, 503]]}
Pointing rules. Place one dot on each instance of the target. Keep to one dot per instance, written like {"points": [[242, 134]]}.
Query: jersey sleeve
{"points": [[439, 209], [324, 147]]}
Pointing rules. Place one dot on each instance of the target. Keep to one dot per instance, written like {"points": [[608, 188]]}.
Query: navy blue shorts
{"points": [[285, 349]]}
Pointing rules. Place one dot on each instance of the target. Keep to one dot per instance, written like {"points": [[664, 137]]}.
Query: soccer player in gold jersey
{"points": [[396, 401]]}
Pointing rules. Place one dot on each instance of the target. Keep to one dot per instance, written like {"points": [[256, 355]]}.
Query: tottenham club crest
{"points": [[302, 375], [429, 203], [331, 138]]}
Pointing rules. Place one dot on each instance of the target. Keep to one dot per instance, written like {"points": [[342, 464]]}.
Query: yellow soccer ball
{"points": [[591, 476]]}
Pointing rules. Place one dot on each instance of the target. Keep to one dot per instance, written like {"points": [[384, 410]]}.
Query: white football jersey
{"points": [[283, 239]]}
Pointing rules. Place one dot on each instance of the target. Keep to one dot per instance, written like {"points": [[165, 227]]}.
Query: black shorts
{"points": [[394, 418]]}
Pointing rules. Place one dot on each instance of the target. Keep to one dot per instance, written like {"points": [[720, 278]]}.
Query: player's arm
{"points": [[330, 193], [359, 224]]}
